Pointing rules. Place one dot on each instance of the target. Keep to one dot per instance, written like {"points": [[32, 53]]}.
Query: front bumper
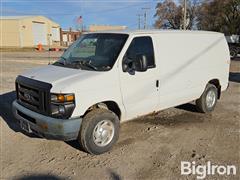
{"points": [[47, 127]]}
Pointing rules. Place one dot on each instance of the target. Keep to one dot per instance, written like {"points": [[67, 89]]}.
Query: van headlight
{"points": [[62, 105]]}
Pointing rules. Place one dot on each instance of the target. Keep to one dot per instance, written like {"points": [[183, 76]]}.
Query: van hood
{"points": [[59, 76]]}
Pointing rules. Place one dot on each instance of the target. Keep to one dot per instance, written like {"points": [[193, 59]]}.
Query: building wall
{"points": [[69, 36], [93, 28], [26, 32], [9, 33], [19, 32]]}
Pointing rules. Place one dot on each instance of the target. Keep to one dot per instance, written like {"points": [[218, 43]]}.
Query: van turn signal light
{"points": [[65, 98]]}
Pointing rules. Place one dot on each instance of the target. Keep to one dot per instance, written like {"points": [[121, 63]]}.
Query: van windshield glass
{"points": [[96, 52]]}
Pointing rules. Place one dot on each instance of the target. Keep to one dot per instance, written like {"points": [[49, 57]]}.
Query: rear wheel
{"points": [[207, 102], [99, 131], [233, 52]]}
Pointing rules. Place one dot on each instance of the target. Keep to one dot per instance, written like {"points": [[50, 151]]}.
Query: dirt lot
{"points": [[151, 147]]}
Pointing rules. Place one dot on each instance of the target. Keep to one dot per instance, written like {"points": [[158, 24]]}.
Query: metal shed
{"points": [[28, 31]]}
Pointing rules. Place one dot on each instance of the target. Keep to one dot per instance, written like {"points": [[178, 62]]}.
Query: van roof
{"points": [[155, 31]]}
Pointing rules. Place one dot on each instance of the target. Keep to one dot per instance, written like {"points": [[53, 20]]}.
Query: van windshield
{"points": [[96, 52]]}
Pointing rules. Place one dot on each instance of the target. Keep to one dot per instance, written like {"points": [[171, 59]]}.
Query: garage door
{"points": [[39, 33]]}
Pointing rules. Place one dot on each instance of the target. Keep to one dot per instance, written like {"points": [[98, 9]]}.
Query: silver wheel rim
{"points": [[103, 133], [210, 99]]}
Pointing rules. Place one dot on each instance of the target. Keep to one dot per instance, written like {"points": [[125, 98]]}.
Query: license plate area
{"points": [[25, 126]]}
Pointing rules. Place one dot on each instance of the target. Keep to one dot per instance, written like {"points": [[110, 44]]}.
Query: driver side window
{"points": [[142, 45]]}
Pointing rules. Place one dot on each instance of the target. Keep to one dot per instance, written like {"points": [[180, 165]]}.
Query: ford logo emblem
{"points": [[27, 96]]}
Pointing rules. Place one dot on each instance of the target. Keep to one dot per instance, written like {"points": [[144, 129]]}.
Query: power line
{"points": [[77, 13], [120, 8]]}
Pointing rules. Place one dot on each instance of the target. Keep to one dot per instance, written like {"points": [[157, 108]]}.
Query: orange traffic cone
{"points": [[39, 47]]}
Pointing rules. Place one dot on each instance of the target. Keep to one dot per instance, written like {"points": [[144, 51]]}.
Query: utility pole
{"points": [[185, 15], [145, 17], [139, 20]]}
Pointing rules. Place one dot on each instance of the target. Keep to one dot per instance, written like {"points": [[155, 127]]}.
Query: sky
{"points": [[65, 12]]}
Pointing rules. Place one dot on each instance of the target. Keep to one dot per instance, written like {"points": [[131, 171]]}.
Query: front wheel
{"points": [[99, 131], [207, 102]]}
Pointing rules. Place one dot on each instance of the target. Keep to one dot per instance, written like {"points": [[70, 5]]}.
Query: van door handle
{"points": [[157, 83]]}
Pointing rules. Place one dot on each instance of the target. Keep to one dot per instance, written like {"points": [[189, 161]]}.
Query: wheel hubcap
{"points": [[103, 133], [210, 99]]}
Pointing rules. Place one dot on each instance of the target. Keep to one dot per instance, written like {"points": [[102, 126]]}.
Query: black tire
{"points": [[201, 103], [233, 52], [89, 123]]}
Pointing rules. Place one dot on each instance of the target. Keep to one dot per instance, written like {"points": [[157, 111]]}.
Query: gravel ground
{"points": [[150, 147]]}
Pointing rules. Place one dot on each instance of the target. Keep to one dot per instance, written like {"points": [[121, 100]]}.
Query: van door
{"points": [[140, 89]]}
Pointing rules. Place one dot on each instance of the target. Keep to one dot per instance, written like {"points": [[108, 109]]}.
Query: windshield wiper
{"points": [[64, 60], [57, 62], [85, 63], [61, 63]]}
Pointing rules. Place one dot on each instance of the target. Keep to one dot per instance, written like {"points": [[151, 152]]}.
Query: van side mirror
{"points": [[127, 64], [140, 63]]}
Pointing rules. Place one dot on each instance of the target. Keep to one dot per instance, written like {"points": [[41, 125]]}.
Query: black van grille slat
{"points": [[45, 103], [31, 92], [31, 101]]}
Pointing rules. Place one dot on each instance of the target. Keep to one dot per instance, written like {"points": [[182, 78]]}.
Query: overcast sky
{"points": [[65, 12]]}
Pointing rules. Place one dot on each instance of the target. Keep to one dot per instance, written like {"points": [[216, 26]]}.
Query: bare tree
{"points": [[220, 15], [170, 15]]}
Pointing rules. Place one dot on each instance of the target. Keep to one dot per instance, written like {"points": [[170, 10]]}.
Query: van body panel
{"points": [[187, 62]]}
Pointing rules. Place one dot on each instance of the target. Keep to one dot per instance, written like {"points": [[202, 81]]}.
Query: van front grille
{"points": [[29, 96], [33, 94]]}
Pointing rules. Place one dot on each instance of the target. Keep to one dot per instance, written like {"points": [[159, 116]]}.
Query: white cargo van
{"points": [[106, 78]]}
